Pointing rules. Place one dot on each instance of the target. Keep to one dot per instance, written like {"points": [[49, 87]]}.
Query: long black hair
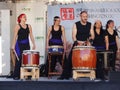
{"points": [[101, 29], [108, 22]]}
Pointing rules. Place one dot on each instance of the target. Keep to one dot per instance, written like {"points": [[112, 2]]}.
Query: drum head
{"points": [[55, 46], [30, 51], [83, 47]]}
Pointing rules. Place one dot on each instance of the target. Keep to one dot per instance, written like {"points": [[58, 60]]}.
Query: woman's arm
{"points": [[48, 37], [17, 27], [106, 42], [74, 32], [117, 42], [64, 38], [31, 37], [92, 36]]}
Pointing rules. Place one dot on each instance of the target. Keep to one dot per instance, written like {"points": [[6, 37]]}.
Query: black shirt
{"points": [[56, 34], [112, 40], [83, 31], [23, 33], [99, 40], [56, 38]]}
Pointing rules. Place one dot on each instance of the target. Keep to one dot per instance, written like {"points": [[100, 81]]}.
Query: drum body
{"points": [[30, 58], [56, 49], [84, 57]]}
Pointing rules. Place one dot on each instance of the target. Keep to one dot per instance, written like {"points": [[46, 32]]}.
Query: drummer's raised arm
{"points": [[92, 36], [64, 37], [31, 37], [48, 36], [74, 32]]}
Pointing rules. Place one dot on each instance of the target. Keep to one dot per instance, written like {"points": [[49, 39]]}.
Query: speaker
{"points": [[114, 76]]}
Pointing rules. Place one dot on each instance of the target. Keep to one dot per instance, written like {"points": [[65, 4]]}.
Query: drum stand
{"points": [[107, 68], [29, 71], [84, 73], [49, 61]]}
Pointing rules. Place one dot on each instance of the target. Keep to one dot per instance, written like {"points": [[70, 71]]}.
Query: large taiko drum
{"points": [[30, 58], [84, 57], [56, 49]]}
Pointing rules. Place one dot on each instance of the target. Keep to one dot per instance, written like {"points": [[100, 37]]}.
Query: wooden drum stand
{"points": [[30, 65], [105, 55], [84, 62], [49, 62], [84, 73], [29, 71]]}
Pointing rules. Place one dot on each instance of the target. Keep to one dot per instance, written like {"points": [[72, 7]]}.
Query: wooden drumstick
{"points": [[12, 57], [16, 54]]}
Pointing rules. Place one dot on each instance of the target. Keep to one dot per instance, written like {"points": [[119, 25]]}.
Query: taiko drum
{"points": [[30, 58], [84, 57], [56, 49]]}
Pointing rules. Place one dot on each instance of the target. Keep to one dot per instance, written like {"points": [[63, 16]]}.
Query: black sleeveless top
{"points": [[56, 34], [99, 40], [112, 40], [23, 33], [83, 31], [22, 42], [56, 37]]}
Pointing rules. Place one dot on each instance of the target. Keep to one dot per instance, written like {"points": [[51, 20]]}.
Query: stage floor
{"points": [[53, 84], [54, 79]]}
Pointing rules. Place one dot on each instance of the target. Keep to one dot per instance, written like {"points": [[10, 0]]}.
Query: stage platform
{"points": [[53, 84]]}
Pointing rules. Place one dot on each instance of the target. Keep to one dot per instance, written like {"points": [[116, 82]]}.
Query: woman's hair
{"points": [[19, 17], [101, 29], [108, 22], [56, 17]]}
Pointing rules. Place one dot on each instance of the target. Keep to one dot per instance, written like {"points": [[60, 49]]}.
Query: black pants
{"points": [[54, 60], [20, 48], [112, 59], [100, 66], [17, 68], [67, 68]]}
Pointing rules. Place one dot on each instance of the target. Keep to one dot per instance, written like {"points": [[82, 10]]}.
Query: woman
{"points": [[56, 36], [99, 44], [99, 40], [111, 38], [20, 43]]}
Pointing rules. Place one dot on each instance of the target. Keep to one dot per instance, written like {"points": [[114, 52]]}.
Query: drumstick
{"points": [[16, 54]]}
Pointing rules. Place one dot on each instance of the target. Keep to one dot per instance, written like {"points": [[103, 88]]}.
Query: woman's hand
{"points": [[13, 47], [47, 47], [33, 47], [64, 48]]}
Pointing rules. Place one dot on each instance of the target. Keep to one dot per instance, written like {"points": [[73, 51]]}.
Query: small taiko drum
{"points": [[30, 58], [56, 49], [84, 57]]}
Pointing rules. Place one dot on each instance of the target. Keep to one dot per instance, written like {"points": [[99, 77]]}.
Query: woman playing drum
{"points": [[56, 37], [21, 41]]}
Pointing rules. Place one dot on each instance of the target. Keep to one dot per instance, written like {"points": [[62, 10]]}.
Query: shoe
{"points": [[9, 77], [67, 78], [16, 78], [60, 78]]}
